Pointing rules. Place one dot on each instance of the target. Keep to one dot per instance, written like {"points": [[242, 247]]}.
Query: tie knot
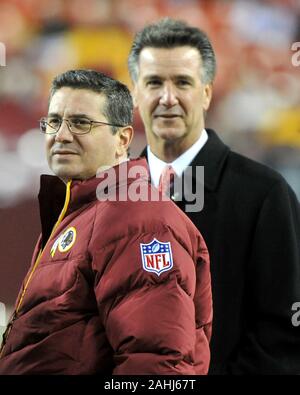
{"points": [[166, 180]]}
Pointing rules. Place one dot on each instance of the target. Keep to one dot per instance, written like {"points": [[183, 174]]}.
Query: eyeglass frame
{"points": [[68, 122]]}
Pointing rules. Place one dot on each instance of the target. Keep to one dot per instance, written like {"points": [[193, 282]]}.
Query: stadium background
{"points": [[255, 108]]}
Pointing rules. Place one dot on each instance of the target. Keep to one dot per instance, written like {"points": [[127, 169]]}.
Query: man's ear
{"points": [[125, 135], [207, 95]]}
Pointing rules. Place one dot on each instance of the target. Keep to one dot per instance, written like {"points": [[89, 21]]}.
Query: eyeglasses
{"points": [[51, 125]]}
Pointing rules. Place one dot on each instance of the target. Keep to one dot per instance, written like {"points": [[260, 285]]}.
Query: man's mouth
{"points": [[167, 116], [64, 152]]}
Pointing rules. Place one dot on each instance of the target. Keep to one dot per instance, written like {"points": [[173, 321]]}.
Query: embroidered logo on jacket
{"points": [[64, 242], [157, 256]]}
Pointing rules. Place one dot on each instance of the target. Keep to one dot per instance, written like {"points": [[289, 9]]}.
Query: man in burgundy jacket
{"points": [[117, 284]]}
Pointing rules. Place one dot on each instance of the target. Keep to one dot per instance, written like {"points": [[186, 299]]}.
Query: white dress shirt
{"points": [[157, 165]]}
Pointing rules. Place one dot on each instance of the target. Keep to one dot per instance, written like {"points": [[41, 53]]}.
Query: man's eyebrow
{"points": [[79, 115], [183, 77], [53, 114], [175, 77], [75, 115], [149, 76]]}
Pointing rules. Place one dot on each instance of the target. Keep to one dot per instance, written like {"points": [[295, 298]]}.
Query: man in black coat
{"points": [[250, 218]]}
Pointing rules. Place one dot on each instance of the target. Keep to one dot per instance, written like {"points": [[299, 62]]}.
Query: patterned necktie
{"points": [[166, 181]]}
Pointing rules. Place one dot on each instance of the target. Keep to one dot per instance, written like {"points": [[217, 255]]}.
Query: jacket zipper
{"points": [[14, 316]]}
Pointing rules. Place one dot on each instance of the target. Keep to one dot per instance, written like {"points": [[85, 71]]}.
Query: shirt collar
{"points": [[157, 165]]}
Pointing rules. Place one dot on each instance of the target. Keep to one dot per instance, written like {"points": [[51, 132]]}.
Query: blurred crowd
{"points": [[256, 103]]}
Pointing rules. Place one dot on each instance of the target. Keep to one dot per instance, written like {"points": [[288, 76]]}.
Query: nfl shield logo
{"points": [[157, 256]]}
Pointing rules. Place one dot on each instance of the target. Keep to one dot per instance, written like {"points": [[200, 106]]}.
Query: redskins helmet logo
{"points": [[65, 241]]}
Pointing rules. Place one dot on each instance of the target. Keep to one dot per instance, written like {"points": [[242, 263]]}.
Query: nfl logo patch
{"points": [[157, 256]]}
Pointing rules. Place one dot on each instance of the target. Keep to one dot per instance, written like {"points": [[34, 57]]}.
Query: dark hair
{"points": [[118, 107], [170, 33]]}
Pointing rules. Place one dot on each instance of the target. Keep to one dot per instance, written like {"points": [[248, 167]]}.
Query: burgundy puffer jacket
{"points": [[120, 287]]}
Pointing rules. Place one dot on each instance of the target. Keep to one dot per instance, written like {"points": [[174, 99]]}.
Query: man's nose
{"points": [[64, 133], [168, 95]]}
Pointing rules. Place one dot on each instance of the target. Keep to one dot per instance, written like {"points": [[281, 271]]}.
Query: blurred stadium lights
{"points": [[20, 168], [31, 149]]}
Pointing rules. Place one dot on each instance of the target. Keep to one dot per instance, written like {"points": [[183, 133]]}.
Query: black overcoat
{"points": [[251, 224]]}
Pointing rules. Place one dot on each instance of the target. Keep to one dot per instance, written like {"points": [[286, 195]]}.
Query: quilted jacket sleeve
{"points": [[156, 323]]}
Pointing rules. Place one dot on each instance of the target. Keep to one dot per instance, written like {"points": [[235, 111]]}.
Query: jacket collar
{"points": [[84, 191], [109, 180], [53, 191], [212, 156]]}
